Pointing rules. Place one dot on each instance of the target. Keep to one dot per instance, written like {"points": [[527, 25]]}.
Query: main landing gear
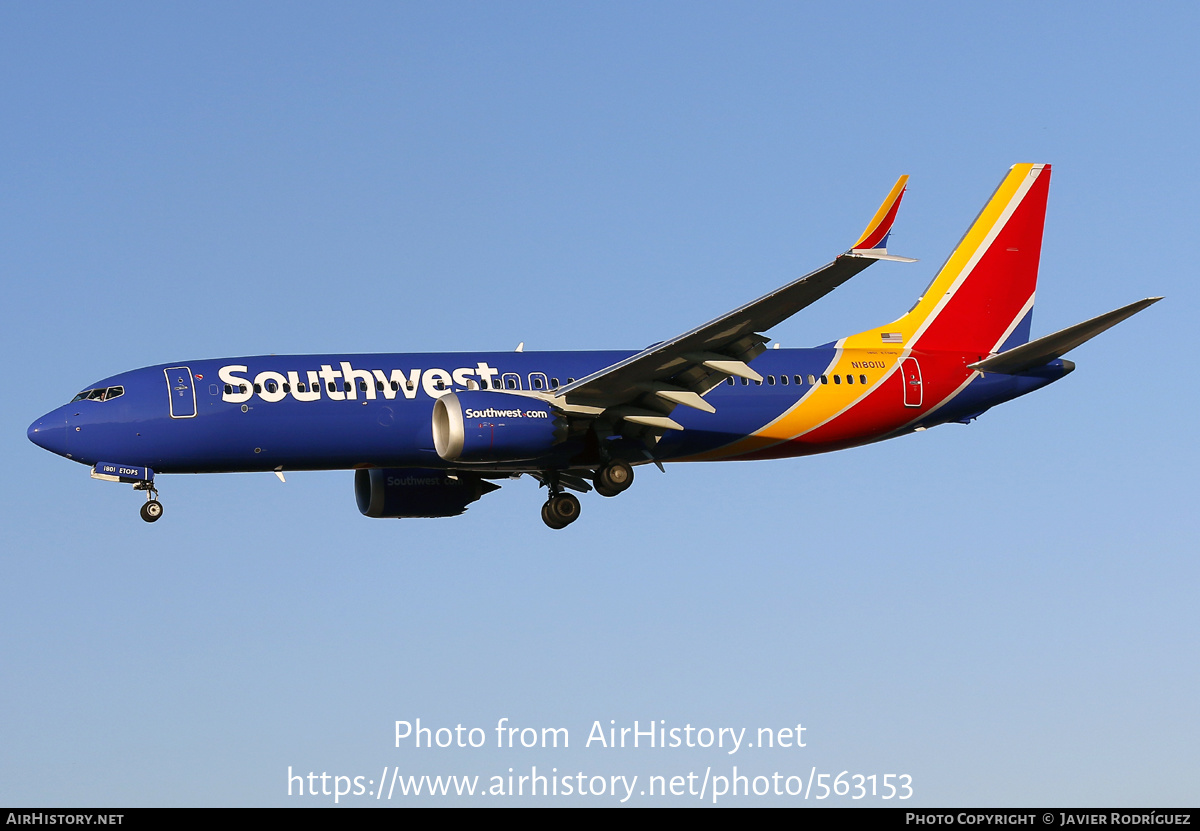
{"points": [[153, 509], [613, 478], [561, 509]]}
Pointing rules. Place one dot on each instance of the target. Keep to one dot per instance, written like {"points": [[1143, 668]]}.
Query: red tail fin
{"points": [[983, 296]]}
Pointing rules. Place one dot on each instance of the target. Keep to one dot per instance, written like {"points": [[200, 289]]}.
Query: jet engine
{"points": [[482, 426], [412, 492]]}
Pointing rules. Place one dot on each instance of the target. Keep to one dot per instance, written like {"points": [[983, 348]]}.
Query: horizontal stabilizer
{"points": [[1043, 350]]}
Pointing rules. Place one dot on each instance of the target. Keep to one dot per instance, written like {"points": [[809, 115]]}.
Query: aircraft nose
{"points": [[49, 432]]}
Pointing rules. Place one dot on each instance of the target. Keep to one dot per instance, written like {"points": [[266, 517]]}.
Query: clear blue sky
{"points": [[1004, 611]]}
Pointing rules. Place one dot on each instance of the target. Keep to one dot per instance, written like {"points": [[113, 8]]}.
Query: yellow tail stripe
{"points": [[997, 210]]}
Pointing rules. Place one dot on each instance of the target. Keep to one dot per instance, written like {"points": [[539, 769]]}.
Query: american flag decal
{"points": [[892, 337]]}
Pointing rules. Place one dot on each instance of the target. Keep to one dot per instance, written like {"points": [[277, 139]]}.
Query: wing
{"points": [[645, 388]]}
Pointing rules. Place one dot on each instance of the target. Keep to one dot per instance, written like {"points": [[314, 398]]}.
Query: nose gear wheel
{"points": [[152, 510]]}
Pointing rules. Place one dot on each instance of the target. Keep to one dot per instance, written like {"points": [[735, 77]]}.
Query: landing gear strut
{"points": [[613, 478], [153, 509]]}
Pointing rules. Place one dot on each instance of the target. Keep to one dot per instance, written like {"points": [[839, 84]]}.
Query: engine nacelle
{"points": [[412, 492], [482, 426]]}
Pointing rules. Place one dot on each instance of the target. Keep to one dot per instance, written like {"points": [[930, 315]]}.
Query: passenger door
{"points": [[182, 390], [910, 371]]}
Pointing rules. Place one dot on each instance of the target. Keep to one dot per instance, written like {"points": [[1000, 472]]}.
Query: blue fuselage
{"points": [[314, 412]]}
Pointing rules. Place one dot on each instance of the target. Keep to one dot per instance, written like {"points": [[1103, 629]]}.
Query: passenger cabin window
{"points": [[730, 381], [862, 379], [783, 379], [824, 379], [837, 379], [771, 380], [812, 379], [800, 380]]}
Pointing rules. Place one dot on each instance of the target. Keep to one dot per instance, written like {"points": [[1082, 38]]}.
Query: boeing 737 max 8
{"points": [[428, 434]]}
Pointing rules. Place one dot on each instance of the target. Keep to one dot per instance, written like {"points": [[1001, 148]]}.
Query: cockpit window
{"points": [[99, 394]]}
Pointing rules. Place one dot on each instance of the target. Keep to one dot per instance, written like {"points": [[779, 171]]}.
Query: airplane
{"points": [[428, 434]]}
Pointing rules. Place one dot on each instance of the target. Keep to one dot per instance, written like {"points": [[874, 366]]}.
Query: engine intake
{"points": [[481, 426], [411, 492]]}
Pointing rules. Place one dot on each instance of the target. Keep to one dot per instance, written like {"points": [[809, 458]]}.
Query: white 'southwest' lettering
{"points": [[236, 383], [436, 382], [346, 382], [353, 377], [270, 386], [398, 382], [492, 412]]}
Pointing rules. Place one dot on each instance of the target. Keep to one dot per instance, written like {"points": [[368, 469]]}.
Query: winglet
{"points": [[873, 242]]}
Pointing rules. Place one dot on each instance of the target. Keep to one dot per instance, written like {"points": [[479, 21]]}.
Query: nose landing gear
{"points": [[152, 510], [142, 479]]}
